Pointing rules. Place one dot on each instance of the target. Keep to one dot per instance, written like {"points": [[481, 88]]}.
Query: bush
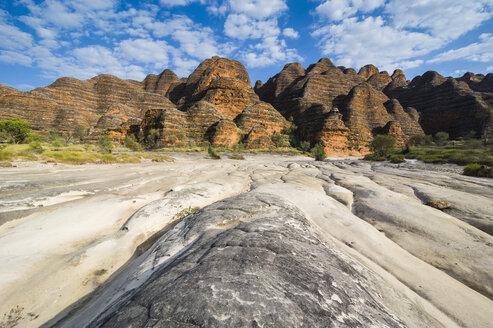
{"points": [[280, 140], [239, 147], [305, 146], [375, 157], [420, 140], [212, 153], [382, 145], [15, 130], [478, 170], [105, 145], [79, 132], [132, 144], [36, 147], [441, 138], [397, 158], [318, 152], [237, 156], [472, 169]]}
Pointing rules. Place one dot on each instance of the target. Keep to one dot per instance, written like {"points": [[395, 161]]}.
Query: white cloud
{"points": [[258, 9], [146, 51], [183, 67], [445, 19], [13, 57], [172, 3], [337, 10], [477, 52], [242, 27], [408, 64], [290, 33], [12, 37], [268, 52], [356, 43]]}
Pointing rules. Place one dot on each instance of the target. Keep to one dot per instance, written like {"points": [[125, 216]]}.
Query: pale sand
{"points": [[94, 217]]}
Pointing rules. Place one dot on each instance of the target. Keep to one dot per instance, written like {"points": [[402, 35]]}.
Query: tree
{"points": [[79, 132], [15, 130], [105, 145], [318, 152], [382, 145], [441, 138]]}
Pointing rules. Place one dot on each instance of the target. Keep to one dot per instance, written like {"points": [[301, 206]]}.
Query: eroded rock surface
{"points": [[279, 241]]}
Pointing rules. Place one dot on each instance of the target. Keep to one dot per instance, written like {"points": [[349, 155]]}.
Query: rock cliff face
{"points": [[216, 99], [103, 103], [362, 109], [337, 106], [447, 104]]}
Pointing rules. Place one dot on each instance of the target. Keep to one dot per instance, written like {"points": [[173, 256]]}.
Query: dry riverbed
{"points": [[88, 245]]}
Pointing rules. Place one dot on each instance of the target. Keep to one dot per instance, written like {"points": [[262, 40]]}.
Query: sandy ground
{"points": [[64, 230]]}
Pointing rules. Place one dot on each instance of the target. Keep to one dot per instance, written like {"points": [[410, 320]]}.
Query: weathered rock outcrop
{"points": [[334, 134], [261, 113], [365, 110], [224, 133], [222, 82], [446, 104], [258, 137], [103, 103], [218, 90], [160, 83]]}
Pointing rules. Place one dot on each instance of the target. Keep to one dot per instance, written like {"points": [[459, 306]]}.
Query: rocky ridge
{"points": [[337, 106]]}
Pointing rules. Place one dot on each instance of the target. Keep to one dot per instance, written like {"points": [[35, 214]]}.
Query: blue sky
{"points": [[44, 40]]}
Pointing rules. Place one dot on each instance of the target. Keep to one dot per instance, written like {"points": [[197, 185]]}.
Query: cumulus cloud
{"points": [[172, 3], [404, 32], [242, 27], [146, 51], [356, 43], [12, 37], [13, 57], [445, 19], [481, 51], [337, 10], [258, 9], [290, 33]]}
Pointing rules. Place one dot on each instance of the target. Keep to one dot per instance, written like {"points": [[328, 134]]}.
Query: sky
{"points": [[42, 40]]}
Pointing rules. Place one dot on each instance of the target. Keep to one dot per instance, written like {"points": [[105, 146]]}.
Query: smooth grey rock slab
{"points": [[265, 269]]}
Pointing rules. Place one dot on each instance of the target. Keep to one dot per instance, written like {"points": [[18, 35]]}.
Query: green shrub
{"points": [[132, 144], [441, 138], [472, 169], [237, 156], [212, 153], [305, 146], [105, 145], [382, 145], [318, 152], [420, 140], [280, 140], [239, 147], [15, 131], [375, 157], [79, 132], [397, 158], [36, 147]]}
